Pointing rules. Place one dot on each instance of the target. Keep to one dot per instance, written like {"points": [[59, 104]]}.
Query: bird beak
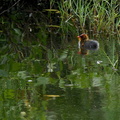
{"points": [[79, 38]]}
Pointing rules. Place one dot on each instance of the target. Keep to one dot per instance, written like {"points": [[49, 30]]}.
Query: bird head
{"points": [[84, 37]]}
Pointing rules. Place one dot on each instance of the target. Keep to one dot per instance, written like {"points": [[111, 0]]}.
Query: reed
{"points": [[97, 16]]}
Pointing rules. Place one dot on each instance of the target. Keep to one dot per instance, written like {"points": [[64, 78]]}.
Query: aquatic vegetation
{"points": [[42, 76], [29, 42]]}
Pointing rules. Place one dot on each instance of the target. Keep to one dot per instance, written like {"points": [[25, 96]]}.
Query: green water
{"points": [[62, 85]]}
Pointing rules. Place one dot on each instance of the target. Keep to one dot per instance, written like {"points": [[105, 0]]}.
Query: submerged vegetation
{"points": [[38, 51]]}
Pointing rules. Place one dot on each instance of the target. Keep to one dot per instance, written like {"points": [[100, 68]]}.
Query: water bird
{"points": [[85, 44]]}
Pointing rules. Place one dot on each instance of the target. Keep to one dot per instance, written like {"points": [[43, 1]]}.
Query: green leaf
{"points": [[15, 66], [63, 55], [3, 40], [50, 54], [9, 94], [62, 83], [17, 31], [22, 74], [3, 73], [42, 81]]}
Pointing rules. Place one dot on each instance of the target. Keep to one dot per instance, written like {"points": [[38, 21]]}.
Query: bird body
{"points": [[85, 44], [91, 45]]}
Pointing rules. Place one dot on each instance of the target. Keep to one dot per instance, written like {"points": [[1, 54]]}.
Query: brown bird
{"points": [[85, 44]]}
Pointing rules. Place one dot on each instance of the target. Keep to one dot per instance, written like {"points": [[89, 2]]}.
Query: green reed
{"points": [[93, 15], [41, 32]]}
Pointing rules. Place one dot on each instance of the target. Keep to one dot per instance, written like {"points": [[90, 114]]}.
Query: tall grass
{"points": [[97, 16]]}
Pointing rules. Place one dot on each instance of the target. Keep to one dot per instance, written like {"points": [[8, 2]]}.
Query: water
{"points": [[62, 86]]}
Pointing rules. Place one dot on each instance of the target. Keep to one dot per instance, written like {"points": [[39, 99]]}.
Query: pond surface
{"points": [[65, 86]]}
